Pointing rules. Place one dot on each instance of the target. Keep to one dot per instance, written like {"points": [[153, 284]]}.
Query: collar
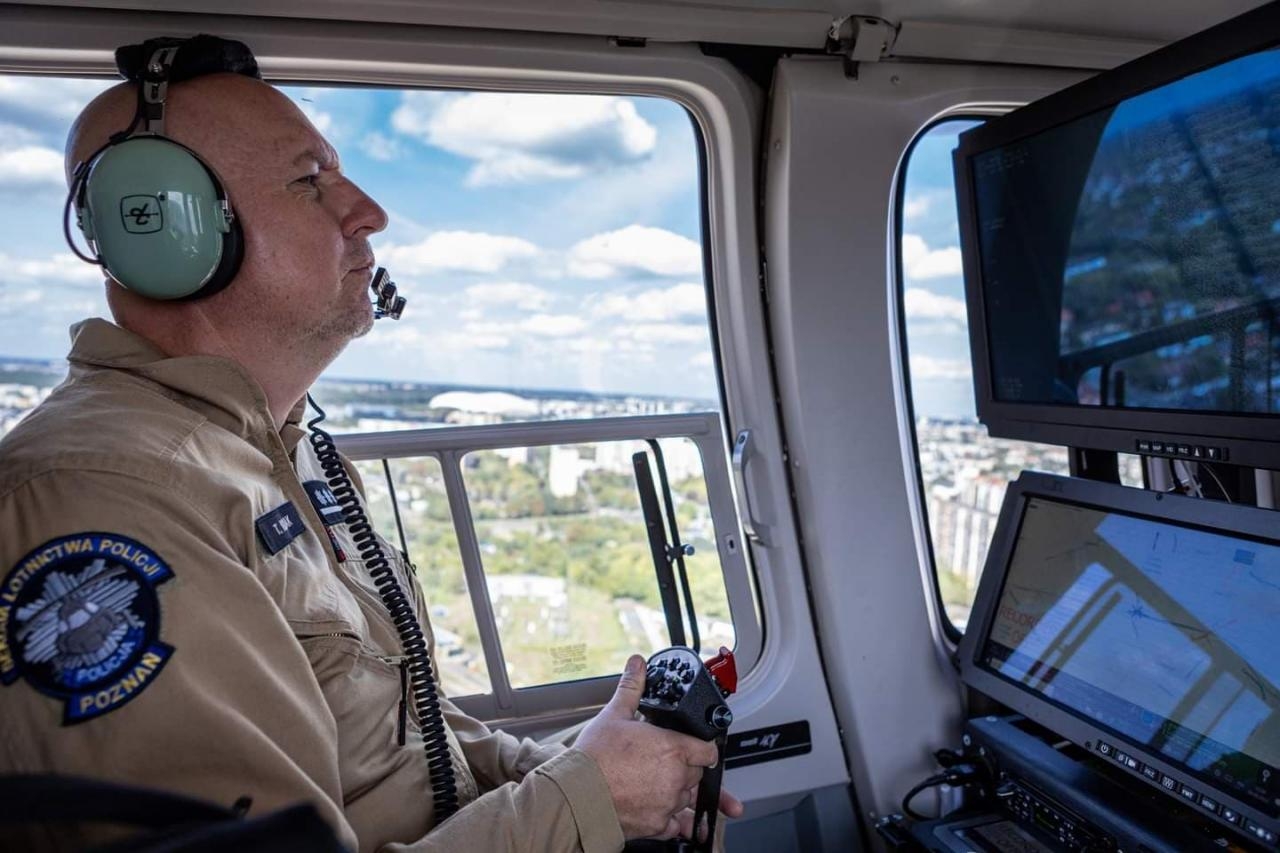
{"points": [[217, 388]]}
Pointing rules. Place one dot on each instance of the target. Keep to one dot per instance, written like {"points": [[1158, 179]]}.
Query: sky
{"points": [[933, 281], [543, 241]]}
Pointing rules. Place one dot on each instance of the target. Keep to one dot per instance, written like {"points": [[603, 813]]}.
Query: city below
{"points": [[964, 471], [371, 405]]}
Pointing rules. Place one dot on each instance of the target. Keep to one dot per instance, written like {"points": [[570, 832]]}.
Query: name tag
{"points": [[279, 527]]}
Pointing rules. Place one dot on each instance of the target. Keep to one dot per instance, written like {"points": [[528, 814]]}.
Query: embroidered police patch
{"points": [[80, 621]]}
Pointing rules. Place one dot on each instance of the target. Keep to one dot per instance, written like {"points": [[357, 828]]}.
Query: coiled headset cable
{"points": [[422, 679]]}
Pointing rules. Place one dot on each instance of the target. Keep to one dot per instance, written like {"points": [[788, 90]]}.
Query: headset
{"points": [[155, 214]]}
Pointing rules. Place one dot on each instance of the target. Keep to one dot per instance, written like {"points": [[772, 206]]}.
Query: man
{"points": [[153, 631]]}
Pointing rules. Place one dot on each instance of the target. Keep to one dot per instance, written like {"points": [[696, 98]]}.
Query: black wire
{"points": [[422, 678], [932, 782], [76, 180]]}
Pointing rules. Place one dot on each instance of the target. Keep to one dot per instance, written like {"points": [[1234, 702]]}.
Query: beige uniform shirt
{"points": [[151, 634]]}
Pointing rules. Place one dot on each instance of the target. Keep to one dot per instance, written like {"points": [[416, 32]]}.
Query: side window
{"points": [[549, 246], [963, 471]]}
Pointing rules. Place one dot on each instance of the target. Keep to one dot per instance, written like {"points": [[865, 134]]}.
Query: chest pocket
{"points": [[359, 579]]}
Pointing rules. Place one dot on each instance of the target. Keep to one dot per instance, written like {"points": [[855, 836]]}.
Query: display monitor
{"points": [[1146, 628], [1121, 245]]}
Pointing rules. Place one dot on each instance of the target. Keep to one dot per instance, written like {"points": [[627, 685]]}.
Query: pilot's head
{"points": [[302, 290]]}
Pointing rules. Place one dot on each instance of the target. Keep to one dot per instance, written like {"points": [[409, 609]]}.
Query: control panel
{"points": [[1189, 792], [1033, 808]]}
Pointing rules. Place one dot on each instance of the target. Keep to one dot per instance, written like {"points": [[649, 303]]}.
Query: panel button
{"points": [[1184, 450], [1259, 831], [1209, 805], [1231, 815], [1104, 748], [1151, 773], [1197, 452], [1213, 453], [1144, 445], [1157, 447], [1190, 793], [1132, 763], [1169, 783]]}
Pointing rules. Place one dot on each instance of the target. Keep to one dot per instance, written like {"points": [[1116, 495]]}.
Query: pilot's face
{"points": [[308, 262]]}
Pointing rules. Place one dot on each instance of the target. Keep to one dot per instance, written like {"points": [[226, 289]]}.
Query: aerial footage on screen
{"points": [[1162, 633], [1131, 257]]}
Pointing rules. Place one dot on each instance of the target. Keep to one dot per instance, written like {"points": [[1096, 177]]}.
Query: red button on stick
{"points": [[724, 671]]}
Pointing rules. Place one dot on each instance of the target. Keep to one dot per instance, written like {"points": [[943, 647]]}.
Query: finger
{"points": [[685, 819], [692, 776], [690, 797], [730, 805], [626, 698], [701, 753], [673, 826]]}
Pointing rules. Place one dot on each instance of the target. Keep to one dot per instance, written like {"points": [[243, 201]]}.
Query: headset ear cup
{"points": [[228, 264]]}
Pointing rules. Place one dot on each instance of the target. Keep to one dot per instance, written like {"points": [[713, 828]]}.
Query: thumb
{"points": [[626, 699]]}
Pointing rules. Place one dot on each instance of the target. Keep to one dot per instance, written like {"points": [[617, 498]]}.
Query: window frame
{"points": [[729, 110], [449, 446], [919, 503]]}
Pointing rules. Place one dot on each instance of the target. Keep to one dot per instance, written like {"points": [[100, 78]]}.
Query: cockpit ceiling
{"points": [[782, 23]]}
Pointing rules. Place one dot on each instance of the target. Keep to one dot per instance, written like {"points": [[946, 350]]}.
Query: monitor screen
{"points": [[1130, 256], [1163, 633]]}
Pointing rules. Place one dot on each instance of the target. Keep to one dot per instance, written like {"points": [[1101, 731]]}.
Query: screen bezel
{"points": [[1233, 520], [1247, 438]]}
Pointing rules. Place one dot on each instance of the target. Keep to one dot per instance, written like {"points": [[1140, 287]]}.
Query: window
{"points": [[963, 471], [549, 247]]}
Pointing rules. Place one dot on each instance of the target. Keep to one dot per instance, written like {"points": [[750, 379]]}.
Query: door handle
{"points": [[757, 532]]}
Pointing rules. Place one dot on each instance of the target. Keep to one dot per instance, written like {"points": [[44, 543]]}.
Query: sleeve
{"points": [[142, 650], [495, 757], [562, 804]]}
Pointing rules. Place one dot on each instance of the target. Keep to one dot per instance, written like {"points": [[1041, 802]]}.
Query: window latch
{"points": [[756, 532]]}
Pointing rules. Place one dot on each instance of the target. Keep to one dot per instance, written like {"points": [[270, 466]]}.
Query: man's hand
{"points": [[653, 773]]}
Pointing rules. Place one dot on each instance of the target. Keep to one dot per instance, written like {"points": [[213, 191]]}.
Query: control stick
{"points": [[684, 694]]}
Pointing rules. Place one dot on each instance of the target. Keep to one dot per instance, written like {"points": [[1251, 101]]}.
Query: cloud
{"points": [[924, 304], [59, 268], [521, 138], [928, 367], [460, 251], [59, 287], [917, 206], [649, 334], [322, 120], [553, 325], [48, 102], [513, 294], [919, 261], [379, 146], [31, 167], [680, 301], [635, 249]]}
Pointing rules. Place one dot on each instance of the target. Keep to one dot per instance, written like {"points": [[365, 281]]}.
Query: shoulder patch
{"points": [[80, 621]]}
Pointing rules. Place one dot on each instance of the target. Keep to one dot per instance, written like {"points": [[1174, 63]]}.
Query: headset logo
{"points": [[141, 214]]}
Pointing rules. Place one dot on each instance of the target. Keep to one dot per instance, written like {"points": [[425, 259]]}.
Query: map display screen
{"points": [[1167, 635]]}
